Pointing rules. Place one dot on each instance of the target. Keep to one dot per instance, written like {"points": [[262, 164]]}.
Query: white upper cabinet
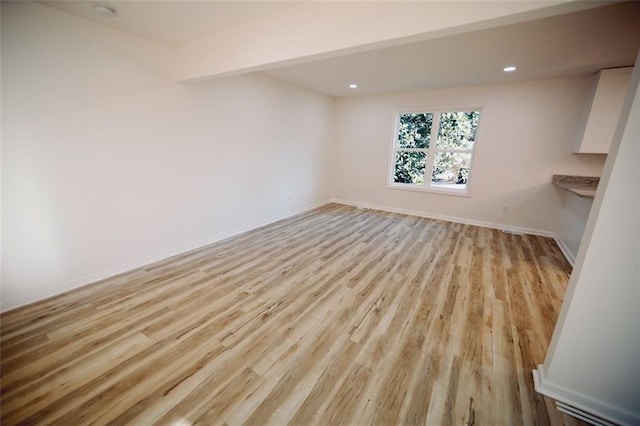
{"points": [[602, 111]]}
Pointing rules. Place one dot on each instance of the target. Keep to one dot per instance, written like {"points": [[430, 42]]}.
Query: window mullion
{"points": [[431, 153], [463, 151], [412, 149]]}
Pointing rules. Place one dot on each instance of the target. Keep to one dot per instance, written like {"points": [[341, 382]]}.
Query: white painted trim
{"points": [[583, 405], [56, 289], [508, 228], [63, 287], [429, 188], [466, 221], [582, 415], [565, 250]]}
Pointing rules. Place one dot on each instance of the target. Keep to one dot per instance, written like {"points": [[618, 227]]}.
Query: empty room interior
{"points": [[320, 213]]}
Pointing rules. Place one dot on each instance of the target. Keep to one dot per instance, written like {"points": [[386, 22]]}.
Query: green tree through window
{"points": [[447, 161], [414, 135]]}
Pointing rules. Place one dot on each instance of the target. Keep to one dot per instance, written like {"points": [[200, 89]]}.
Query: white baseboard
{"points": [[582, 415], [466, 221], [59, 288], [581, 406], [507, 228], [28, 298], [565, 250]]}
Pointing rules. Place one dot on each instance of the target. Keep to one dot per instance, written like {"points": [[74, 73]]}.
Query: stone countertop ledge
{"points": [[582, 186]]}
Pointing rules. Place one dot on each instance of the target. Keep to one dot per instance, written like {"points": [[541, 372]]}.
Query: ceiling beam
{"points": [[320, 30]]}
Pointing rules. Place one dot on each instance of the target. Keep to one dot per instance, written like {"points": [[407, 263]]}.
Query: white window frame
{"points": [[427, 185]]}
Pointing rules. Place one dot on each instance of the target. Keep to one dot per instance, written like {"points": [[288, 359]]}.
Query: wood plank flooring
{"points": [[335, 316]]}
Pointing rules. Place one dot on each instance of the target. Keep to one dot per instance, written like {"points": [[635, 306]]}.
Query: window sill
{"points": [[431, 189]]}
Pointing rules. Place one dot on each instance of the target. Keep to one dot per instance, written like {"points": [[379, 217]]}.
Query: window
{"points": [[443, 166]]}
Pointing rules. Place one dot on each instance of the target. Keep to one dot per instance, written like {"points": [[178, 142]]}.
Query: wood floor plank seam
{"points": [[336, 316]]}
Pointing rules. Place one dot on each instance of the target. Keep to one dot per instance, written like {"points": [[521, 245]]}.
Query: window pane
{"points": [[451, 169], [409, 167], [414, 130], [457, 130]]}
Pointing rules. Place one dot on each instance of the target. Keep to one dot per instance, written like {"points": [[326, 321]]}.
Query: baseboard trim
{"points": [[61, 288], [581, 406], [582, 415], [565, 250], [66, 286], [466, 221]]}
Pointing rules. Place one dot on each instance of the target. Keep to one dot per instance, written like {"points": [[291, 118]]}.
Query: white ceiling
{"points": [[563, 45], [570, 44], [172, 22]]}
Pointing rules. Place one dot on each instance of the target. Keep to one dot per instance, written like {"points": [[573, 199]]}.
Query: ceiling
{"points": [[562, 45], [571, 44], [172, 22]]}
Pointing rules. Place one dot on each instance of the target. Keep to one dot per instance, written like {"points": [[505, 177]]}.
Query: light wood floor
{"points": [[335, 316]]}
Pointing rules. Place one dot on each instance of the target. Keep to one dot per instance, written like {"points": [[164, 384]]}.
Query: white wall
{"points": [[593, 361], [572, 221], [526, 135], [1, 198], [108, 163]]}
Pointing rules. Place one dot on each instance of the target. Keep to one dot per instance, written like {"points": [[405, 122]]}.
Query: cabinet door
{"points": [[603, 110]]}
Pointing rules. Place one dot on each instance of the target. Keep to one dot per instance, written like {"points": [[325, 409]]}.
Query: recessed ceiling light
{"points": [[353, 86], [510, 68], [104, 11]]}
